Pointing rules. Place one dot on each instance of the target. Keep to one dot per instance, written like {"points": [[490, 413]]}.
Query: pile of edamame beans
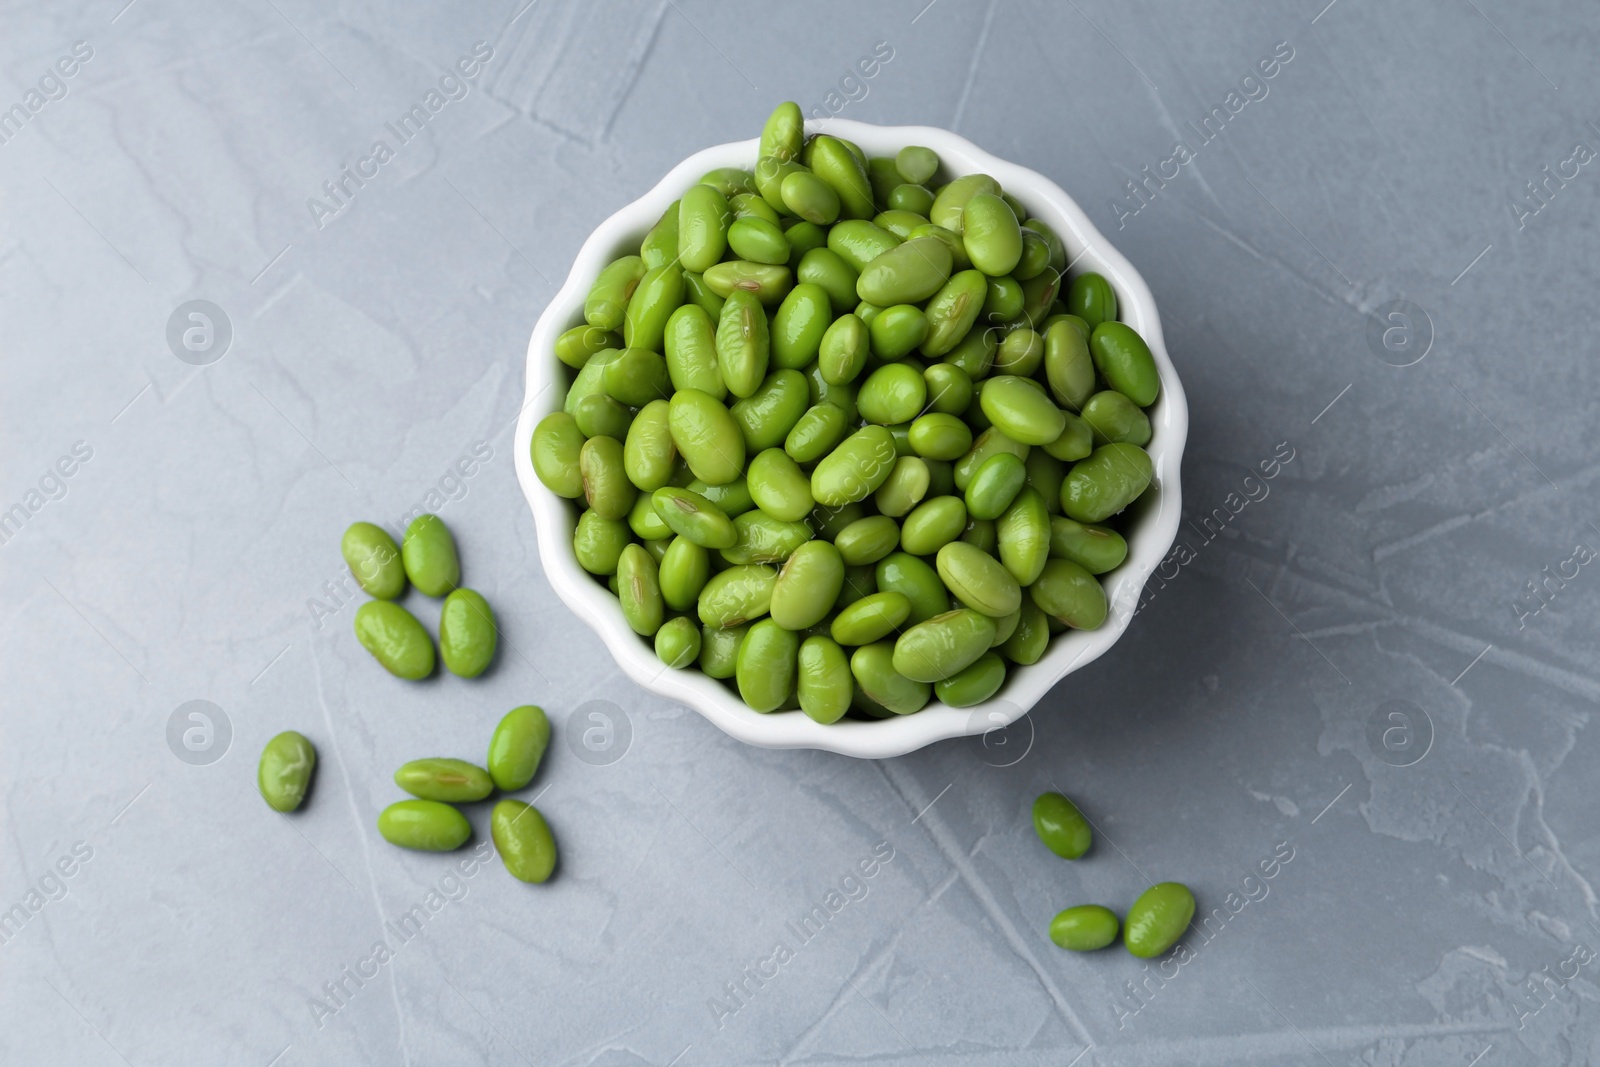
{"points": [[842, 437]]}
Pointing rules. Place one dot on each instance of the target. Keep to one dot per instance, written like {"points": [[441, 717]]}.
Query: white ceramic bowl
{"points": [[1154, 525]]}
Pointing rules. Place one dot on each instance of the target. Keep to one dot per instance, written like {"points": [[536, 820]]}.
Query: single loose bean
{"points": [[953, 311], [894, 393], [1076, 441], [808, 196], [1061, 826], [1021, 409], [645, 521], [817, 433], [732, 497], [425, 825], [468, 634], [836, 165], [767, 662], [950, 239], [284, 773], [897, 331], [913, 198], [778, 486], [854, 470], [916, 164], [1125, 362], [1035, 256], [760, 538], [598, 415], [949, 204], [1158, 919], [523, 839], [1113, 417], [943, 646], [980, 534], [1027, 642], [837, 277], [803, 236], [1020, 353], [905, 487], [940, 436], [899, 221], [1058, 250], [517, 746], [1067, 592], [949, 389], [766, 416], [429, 555], [988, 444], [743, 343], [658, 295], [395, 638], [374, 559], [974, 684], [799, 326], [1085, 928], [769, 284], [698, 293], [823, 679], [1068, 365], [783, 134], [844, 349], [730, 181], [1091, 298], [1045, 474], [973, 355], [978, 580], [451, 780], [590, 380], [678, 643]]}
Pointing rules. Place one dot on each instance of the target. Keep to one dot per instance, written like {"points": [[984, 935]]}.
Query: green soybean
{"points": [[760, 538], [911, 198], [1158, 919], [816, 433], [1110, 479], [899, 222], [974, 684], [807, 585], [906, 274], [698, 293], [826, 268], [758, 241], [867, 540], [554, 451], [823, 679], [683, 571], [994, 485], [451, 780], [980, 534], [844, 349], [660, 245], [645, 521], [429, 555], [871, 618], [949, 205], [678, 643], [1113, 417], [1021, 409], [743, 343], [894, 393], [691, 515], [836, 165], [607, 302], [873, 668], [1028, 641], [991, 234], [284, 773], [768, 284], [1084, 928], [1091, 298], [778, 486], [1023, 534], [719, 650], [989, 443], [933, 524], [916, 164], [897, 331], [468, 634], [901, 572], [707, 436], [691, 352], [597, 542], [425, 825], [783, 134], [582, 341], [517, 746], [736, 595], [1020, 353], [395, 638], [1067, 365], [802, 236], [657, 296], [765, 671], [766, 416], [605, 486], [1097, 549], [855, 469], [905, 487], [1035, 256], [808, 196], [524, 841], [648, 454], [374, 559], [730, 181], [732, 497], [978, 580], [799, 326], [1067, 592], [639, 591], [1061, 826], [945, 645], [1045, 474], [1076, 441], [1125, 362], [703, 220]]}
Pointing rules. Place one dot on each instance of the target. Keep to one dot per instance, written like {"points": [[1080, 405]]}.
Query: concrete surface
{"points": [[1349, 684]]}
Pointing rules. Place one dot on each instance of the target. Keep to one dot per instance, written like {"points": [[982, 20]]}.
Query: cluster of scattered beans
{"points": [[427, 556], [836, 404], [432, 822], [1155, 921]]}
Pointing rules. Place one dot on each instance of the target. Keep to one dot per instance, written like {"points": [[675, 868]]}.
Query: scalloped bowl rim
{"points": [[1148, 541]]}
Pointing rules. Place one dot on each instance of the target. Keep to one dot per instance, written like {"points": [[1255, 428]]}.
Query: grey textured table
{"points": [[1353, 715]]}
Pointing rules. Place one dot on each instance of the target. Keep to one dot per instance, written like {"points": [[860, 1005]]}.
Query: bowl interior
{"points": [[1150, 533]]}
